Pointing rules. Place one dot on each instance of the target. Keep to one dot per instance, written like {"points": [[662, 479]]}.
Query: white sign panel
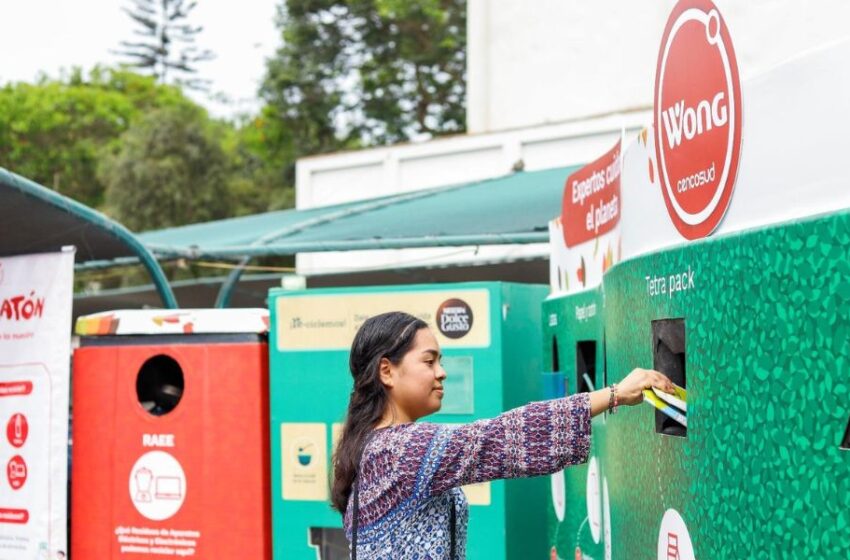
{"points": [[35, 351]]}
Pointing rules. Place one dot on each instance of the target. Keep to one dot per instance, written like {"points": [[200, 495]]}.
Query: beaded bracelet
{"points": [[613, 400]]}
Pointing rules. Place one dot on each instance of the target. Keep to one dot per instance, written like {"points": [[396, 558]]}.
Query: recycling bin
{"points": [[574, 362], [170, 435], [759, 341]]}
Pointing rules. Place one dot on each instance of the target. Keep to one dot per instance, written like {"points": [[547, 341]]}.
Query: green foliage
{"points": [[53, 131], [169, 170], [256, 176], [365, 72], [58, 132], [413, 74]]}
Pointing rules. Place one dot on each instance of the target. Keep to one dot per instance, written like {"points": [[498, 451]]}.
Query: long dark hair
{"points": [[390, 336]]}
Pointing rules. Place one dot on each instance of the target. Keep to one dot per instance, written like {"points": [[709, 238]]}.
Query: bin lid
{"points": [[174, 321]]}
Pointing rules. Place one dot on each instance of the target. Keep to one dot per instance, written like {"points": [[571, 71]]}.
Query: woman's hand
{"points": [[630, 389]]}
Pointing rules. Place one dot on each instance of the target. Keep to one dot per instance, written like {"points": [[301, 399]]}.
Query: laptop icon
{"points": [[168, 488]]}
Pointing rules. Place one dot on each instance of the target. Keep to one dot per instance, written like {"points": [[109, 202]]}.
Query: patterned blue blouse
{"points": [[410, 474]]}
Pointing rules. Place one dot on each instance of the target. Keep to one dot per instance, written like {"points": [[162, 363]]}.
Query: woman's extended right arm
{"points": [[536, 439]]}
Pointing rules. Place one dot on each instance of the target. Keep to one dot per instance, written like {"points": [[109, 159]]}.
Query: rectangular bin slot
{"points": [[585, 365], [556, 366], [554, 382], [845, 443], [669, 357], [330, 543]]}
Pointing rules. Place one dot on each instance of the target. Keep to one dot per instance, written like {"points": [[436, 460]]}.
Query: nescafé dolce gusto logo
{"points": [[697, 117], [454, 318]]}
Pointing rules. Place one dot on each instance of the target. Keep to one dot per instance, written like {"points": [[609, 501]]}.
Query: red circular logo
{"points": [[17, 429], [697, 117], [16, 472]]}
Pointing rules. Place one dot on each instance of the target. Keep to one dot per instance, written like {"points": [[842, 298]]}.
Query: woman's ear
{"points": [[386, 373]]}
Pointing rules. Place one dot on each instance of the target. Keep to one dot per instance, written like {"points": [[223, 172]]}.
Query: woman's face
{"points": [[417, 381]]}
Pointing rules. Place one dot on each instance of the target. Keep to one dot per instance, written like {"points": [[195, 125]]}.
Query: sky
{"points": [[48, 35]]}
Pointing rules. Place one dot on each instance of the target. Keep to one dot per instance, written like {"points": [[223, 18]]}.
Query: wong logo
{"points": [[697, 117], [691, 121]]}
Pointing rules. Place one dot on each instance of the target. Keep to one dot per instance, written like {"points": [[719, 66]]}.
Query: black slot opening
{"points": [[669, 357], [562, 388], [555, 360], [159, 385], [330, 541], [845, 443], [585, 364]]}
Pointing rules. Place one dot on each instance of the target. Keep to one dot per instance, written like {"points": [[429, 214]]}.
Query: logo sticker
{"points": [[674, 540], [17, 429], [697, 117], [157, 485], [454, 318]]}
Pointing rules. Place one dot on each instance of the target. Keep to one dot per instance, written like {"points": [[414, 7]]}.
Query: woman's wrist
{"points": [[605, 400], [599, 400]]}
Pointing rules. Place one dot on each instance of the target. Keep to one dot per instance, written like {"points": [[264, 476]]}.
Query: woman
{"points": [[397, 482]]}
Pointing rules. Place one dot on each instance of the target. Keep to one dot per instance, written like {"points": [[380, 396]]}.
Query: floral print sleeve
{"points": [[535, 439]]}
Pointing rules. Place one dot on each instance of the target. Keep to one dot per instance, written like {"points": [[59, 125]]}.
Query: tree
{"points": [[365, 72], [413, 70], [255, 179], [163, 23], [53, 131], [170, 170], [57, 132]]}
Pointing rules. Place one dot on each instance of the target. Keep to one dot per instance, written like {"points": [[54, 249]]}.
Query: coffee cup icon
{"points": [[304, 454]]}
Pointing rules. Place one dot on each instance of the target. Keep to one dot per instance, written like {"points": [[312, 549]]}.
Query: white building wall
{"points": [[344, 177], [540, 61]]}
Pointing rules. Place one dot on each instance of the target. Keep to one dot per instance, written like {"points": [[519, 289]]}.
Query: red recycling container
{"points": [[171, 435]]}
